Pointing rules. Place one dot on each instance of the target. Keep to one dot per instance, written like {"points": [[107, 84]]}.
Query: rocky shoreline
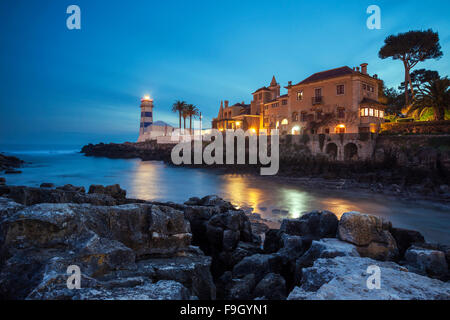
{"points": [[203, 249], [426, 179], [9, 164]]}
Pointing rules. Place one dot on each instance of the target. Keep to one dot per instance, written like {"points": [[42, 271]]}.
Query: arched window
{"points": [[285, 122]]}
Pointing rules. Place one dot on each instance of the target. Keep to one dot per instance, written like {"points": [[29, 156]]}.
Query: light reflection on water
{"points": [[273, 199]]}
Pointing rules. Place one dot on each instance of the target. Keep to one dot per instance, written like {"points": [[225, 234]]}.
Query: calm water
{"points": [[273, 199]]}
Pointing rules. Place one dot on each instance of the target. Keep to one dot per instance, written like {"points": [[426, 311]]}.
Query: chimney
{"points": [[364, 68], [375, 76], [357, 69], [226, 103], [243, 102], [289, 83]]}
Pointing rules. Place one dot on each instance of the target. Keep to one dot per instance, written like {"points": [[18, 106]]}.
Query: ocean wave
{"points": [[42, 152]]}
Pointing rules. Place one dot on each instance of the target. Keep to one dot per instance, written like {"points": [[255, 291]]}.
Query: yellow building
{"points": [[342, 100]]}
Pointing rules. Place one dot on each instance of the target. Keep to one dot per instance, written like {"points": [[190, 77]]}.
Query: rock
{"points": [[370, 234], [114, 191], [345, 278], [47, 185], [444, 188], [427, 262], [71, 188], [271, 287], [30, 196], [292, 248], [406, 238], [8, 208], [2, 181], [193, 271], [13, 171], [259, 265], [314, 225], [162, 290], [215, 201], [39, 243], [193, 201], [241, 289], [272, 241]]}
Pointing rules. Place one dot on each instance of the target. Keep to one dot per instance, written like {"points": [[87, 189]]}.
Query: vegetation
{"points": [[435, 95], [185, 111], [411, 48]]}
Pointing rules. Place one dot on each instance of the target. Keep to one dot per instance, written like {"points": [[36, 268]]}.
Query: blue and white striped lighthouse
{"points": [[146, 115]]}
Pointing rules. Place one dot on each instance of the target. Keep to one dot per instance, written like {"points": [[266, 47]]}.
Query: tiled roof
{"points": [[371, 101], [261, 89], [329, 74]]}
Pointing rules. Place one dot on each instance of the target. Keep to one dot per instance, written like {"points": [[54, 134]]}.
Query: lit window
{"points": [[285, 122], [300, 95], [362, 112], [371, 112], [376, 113], [340, 89], [366, 112], [278, 124], [381, 114]]}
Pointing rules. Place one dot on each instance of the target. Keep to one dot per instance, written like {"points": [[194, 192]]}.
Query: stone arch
{"points": [[350, 152], [332, 150]]}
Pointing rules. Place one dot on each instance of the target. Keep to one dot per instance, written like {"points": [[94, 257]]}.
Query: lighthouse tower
{"points": [[146, 116]]}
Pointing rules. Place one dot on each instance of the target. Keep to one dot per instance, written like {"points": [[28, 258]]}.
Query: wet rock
{"points": [[427, 262], [406, 238], [271, 287], [370, 234], [345, 278], [47, 185], [114, 191], [313, 225]]}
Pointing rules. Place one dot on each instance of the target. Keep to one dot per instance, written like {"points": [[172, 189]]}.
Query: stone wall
{"points": [[340, 147]]}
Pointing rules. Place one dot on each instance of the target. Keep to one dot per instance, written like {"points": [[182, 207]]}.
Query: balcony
{"points": [[317, 100]]}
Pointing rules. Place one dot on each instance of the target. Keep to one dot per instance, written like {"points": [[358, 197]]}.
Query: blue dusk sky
{"points": [[80, 86]]}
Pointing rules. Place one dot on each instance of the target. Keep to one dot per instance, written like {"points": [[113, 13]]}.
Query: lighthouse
{"points": [[146, 115]]}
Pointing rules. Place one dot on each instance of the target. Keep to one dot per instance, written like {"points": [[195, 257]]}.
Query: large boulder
{"points": [[259, 265], [346, 278], [406, 238], [271, 287], [314, 225], [370, 234], [112, 245], [427, 262]]}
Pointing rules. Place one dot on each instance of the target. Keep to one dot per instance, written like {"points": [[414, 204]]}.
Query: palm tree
{"points": [[179, 107], [434, 94], [191, 111]]}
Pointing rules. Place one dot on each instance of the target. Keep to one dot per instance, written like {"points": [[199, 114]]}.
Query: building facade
{"points": [[342, 100]]}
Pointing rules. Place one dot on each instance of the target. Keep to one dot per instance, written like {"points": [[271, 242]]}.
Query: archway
{"points": [[332, 151], [350, 152]]}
